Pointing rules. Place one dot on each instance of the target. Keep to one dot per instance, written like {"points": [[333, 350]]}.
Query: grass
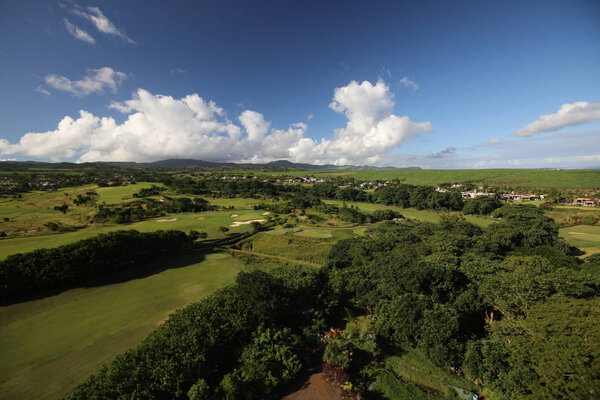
{"points": [[52, 344], [289, 247], [394, 388], [528, 178], [585, 237], [185, 221], [422, 215], [120, 194], [416, 368]]}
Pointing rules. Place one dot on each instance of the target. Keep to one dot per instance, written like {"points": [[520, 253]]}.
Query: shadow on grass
{"points": [[184, 258]]}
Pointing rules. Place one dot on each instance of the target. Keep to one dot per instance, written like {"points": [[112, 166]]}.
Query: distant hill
{"points": [[279, 164], [185, 163]]}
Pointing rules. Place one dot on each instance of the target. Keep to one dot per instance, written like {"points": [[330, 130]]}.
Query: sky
{"points": [[434, 84]]}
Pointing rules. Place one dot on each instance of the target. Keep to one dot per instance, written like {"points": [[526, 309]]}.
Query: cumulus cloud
{"points": [[101, 22], [409, 83], [78, 33], [159, 127], [572, 114], [495, 140], [94, 81]]}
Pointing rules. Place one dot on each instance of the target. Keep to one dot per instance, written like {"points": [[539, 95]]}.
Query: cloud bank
{"points": [[567, 115], [94, 81], [159, 127]]}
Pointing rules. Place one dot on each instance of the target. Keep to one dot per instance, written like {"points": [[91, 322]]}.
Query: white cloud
{"points": [[159, 127], [310, 117], [409, 83], [495, 140], [78, 33], [101, 22], [94, 81], [42, 90], [567, 115], [559, 150], [179, 71]]}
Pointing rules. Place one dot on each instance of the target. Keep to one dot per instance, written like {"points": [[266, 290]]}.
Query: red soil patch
{"points": [[315, 388], [200, 218]]}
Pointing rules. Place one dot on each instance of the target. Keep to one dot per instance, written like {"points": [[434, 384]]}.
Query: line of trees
{"points": [[507, 306], [27, 273], [402, 195]]}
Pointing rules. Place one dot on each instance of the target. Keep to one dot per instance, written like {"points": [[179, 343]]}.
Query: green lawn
{"points": [[423, 215], [210, 223], [50, 345], [120, 194], [585, 237]]}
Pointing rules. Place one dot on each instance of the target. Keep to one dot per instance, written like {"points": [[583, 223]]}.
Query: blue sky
{"points": [[437, 84]]}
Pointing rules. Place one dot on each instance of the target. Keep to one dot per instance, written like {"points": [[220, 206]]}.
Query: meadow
{"points": [[584, 237], [49, 345], [527, 178], [421, 215]]}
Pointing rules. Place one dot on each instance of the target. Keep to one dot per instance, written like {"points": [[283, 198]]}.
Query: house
{"points": [[585, 201]]}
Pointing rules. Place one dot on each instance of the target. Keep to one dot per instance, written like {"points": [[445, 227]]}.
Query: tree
{"points": [[223, 229]]}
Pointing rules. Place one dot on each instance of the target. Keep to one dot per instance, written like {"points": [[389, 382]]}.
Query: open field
{"points": [[28, 214], [531, 178], [422, 215], [585, 237], [50, 345], [210, 222]]}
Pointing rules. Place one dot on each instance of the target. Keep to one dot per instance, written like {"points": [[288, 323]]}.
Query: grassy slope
{"points": [[185, 221], [585, 237], [50, 345], [28, 214], [423, 215], [415, 367]]}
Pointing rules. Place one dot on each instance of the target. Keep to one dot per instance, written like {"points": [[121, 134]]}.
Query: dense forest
{"points": [[508, 307]]}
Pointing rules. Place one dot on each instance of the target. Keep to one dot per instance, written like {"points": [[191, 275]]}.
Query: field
{"points": [[210, 222], [585, 237], [530, 178], [422, 215], [50, 345]]}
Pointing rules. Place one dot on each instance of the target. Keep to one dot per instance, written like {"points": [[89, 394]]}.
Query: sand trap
{"points": [[577, 233], [200, 218], [167, 220], [234, 215], [238, 223], [266, 213]]}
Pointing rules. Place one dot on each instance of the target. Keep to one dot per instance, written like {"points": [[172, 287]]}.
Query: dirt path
{"points": [[315, 388]]}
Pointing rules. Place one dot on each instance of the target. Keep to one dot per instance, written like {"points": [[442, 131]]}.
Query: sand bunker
{"points": [[167, 220], [577, 233], [200, 218], [234, 215], [238, 223], [266, 213]]}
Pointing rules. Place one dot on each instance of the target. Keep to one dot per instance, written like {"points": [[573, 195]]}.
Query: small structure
{"points": [[585, 201], [474, 193]]}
